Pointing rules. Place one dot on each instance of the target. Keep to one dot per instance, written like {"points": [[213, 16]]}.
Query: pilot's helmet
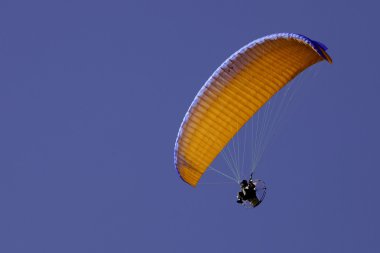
{"points": [[243, 183]]}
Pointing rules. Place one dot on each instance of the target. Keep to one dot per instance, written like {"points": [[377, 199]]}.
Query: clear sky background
{"points": [[92, 94]]}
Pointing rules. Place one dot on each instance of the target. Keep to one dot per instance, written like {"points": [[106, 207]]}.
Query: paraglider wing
{"points": [[235, 92]]}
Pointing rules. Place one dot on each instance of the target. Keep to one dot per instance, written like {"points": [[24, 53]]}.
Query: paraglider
{"points": [[251, 193], [234, 93]]}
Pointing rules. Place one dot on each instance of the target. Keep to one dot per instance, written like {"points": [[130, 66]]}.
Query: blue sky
{"points": [[92, 94]]}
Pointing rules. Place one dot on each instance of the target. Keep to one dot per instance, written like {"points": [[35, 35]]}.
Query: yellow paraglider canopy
{"points": [[235, 92]]}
